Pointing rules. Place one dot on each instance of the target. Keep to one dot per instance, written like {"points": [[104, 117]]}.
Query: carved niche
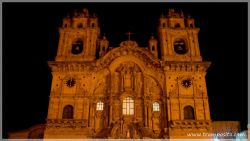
{"points": [[130, 78]]}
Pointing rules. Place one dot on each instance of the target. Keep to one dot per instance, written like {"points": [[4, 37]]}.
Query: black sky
{"points": [[30, 39]]}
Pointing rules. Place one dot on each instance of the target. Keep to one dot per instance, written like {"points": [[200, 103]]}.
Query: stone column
{"points": [[61, 43], [122, 81], [150, 117], [196, 44], [146, 114], [138, 84], [127, 81], [191, 45], [116, 82], [85, 108]]}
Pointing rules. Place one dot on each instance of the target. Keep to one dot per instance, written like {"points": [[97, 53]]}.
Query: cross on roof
{"points": [[129, 34]]}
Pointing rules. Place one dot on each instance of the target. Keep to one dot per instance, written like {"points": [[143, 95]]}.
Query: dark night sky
{"points": [[30, 39]]}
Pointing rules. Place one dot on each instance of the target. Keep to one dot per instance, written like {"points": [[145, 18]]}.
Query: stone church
{"points": [[98, 91]]}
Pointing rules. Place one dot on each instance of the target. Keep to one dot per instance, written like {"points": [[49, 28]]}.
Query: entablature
{"points": [[186, 66]]}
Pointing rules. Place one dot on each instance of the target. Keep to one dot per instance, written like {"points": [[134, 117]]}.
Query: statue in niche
{"points": [[115, 132], [128, 73], [115, 86], [127, 134], [138, 83]]}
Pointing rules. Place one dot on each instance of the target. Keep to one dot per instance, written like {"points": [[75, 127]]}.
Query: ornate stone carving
{"points": [[66, 123], [190, 124]]}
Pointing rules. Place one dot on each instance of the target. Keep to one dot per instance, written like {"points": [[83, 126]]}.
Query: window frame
{"points": [[68, 112], [99, 106], [128, 107], [189, 113], [156, 106]]}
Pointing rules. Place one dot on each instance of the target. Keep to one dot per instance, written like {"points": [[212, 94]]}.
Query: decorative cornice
{"points": [[66, 123], [104, 62], [190, 124], [186, 66]]}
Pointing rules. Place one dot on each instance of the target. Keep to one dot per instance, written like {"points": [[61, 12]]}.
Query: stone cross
{"points": [[129, 34]]}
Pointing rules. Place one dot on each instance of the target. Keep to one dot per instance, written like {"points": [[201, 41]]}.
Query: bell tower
{"points": [[78, 37], [152, 44], [178, 37], [187, 99], [104, 44]]}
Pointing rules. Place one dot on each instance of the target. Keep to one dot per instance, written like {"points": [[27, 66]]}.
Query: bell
{"points": [[179, 48], [77, 48]]}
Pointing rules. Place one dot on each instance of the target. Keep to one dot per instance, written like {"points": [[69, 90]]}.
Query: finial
{"points": [[182, 15], [170, 12], [129, 34], [104, 36], [152, 35], [85, 12]]}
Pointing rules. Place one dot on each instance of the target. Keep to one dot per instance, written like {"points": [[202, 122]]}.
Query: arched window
{"points": [[93, 24], [128, 106], [99, 106], [153, 48], [164, 25], [180, 46], [156, 106], [191, 25], [177, 25], [77, 47], [65, 25], [188, 112], [68, 112], [80, 25]]}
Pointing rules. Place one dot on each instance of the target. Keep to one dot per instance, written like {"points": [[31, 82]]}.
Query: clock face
{"points": [[186, 83], [71, 82], [180, 47], [77, 47]]}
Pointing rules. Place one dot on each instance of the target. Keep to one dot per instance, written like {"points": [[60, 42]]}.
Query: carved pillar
{"points": [[150, 117], [127, 80], [122, 81], [196, 44], [85, 108], [79, 109], [191, 43], [111, 112], [146, 115], [138, 84], [92, 115], [116, 110], [116, 82], [60, 45], [89, 114], [138, 109], [164, 113]]}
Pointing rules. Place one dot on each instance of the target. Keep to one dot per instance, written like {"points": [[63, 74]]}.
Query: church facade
{"points": [[129, 91]]}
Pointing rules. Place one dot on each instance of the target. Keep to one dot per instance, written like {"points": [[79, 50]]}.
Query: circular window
{"points": [[186, 83], [77, 47], [180, 47], [71, 82]]}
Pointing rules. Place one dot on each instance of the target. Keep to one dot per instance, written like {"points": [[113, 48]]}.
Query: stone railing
{"points": [[190, 124], [66, 123], [226, 126]]}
